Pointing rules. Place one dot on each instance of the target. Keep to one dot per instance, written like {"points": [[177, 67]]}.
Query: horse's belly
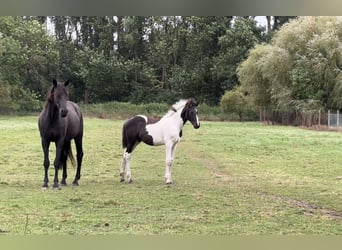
{"points": [[162, 136], [155, 133]]}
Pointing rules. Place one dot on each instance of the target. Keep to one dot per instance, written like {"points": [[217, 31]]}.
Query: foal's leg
{"points": [[123, 167], [45, 146], [126, 167], [170, 149], [126, 162]]}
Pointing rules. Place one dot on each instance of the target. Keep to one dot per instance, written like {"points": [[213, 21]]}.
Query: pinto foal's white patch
{"points": [[144, 117], [166, 130]]}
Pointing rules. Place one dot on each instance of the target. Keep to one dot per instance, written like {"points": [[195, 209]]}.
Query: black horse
{"points": [[61, 121]]}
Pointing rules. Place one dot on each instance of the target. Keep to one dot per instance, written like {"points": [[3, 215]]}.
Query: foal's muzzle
{"points": [[196, 124]]}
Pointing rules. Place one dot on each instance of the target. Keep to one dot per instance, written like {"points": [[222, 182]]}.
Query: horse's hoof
{"points": [[122, 180], [45, 187], [63, 184], [130, 181], [75, 184], [56, 188], [169, 182]]}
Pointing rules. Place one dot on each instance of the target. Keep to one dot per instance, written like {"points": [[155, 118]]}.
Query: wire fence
{"points": [[313, 119]]}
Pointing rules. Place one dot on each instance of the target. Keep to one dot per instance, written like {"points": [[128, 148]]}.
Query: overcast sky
{"points": [[261, 20]]}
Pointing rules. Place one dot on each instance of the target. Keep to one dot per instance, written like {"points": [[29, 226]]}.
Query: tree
{"points": [[300, 69], [236, 101], [234, 46], [28, 58]]}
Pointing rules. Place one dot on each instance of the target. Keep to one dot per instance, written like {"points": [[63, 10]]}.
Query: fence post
{"points": [[328, 118], [338, 119], [319, 119]]}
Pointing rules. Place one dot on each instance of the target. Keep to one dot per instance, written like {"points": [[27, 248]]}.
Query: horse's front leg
{"points": [[45, 146], [59, 150], [170, 149]]}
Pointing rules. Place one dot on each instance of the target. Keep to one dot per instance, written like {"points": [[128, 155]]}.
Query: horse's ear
{"points": [[192, 103], [66, 83], [54, 82]]}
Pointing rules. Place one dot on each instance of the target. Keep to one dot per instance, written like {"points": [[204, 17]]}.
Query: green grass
{"points": [[229, 179]]}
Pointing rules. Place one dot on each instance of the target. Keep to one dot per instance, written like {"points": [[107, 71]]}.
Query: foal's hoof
{"points": [[63, 183], [45, 187], [130, 181], [75, 184]]}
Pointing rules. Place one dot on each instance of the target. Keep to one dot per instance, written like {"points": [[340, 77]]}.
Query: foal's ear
{"points": [[66, 83], [54, 82], [193, 103]]}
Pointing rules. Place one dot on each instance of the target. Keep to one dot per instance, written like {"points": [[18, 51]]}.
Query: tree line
{"points": [[136, 59], [299, 71]]}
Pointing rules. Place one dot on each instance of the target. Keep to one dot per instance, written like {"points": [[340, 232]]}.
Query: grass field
{"points": [[229, 179]]}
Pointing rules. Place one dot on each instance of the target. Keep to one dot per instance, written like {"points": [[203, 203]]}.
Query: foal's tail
{"points": [[124, 137]]}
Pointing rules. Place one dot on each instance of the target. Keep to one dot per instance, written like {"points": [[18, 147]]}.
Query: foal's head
{"points": [[190, 113], [59, 95]]}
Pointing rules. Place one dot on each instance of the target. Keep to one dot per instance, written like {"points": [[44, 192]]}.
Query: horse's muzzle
{"points": [[64, 112], [196, 126]]}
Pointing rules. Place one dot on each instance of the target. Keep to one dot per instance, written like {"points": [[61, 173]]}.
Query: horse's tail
{"points": [[67, 152], [71, 157], [124, 137]]}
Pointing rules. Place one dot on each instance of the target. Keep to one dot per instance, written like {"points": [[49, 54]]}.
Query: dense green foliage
{"points": [[140, 59], [300, 70]]}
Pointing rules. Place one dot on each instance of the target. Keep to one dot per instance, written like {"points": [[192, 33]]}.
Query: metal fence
{"points": [[334, 120], [317, 119]]}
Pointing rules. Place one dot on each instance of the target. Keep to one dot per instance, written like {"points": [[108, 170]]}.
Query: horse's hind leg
{"points": [[126, 163], [79, 156], [126, 167], [123, 168]]}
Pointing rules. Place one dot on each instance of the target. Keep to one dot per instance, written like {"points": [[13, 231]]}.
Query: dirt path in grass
{"points": [[308, 208], [219, 176]]}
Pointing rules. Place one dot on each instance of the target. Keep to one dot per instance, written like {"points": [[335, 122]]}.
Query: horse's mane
{"points": [[49, 97], [176, 107]]}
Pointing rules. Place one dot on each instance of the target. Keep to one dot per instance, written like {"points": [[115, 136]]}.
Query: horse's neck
{"points": [[174, 119], [52, 111]]}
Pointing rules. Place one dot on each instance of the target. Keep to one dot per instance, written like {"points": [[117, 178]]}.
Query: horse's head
{"points": [[60, 96], [190, 113]]}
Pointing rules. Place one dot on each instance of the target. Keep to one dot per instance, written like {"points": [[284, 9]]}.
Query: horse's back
{"points": [[134, 130]]}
